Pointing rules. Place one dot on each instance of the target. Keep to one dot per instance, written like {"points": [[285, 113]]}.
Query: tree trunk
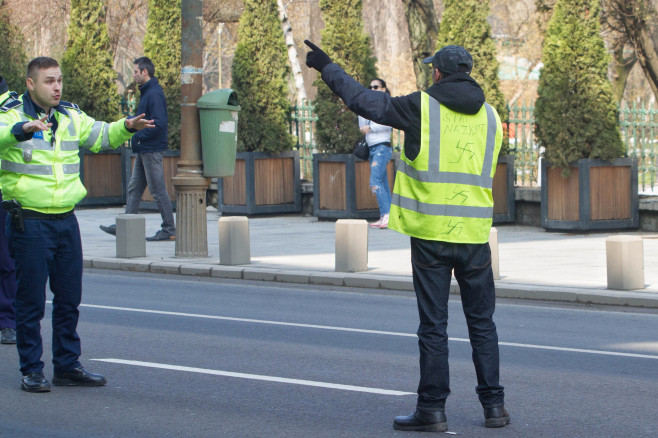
{"points": [[621, 68], [639, 18], [292, 54], [423, 30]]}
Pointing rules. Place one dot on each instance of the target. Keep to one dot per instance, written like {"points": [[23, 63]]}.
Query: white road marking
{"points": [[163, 366], [374, 332]]}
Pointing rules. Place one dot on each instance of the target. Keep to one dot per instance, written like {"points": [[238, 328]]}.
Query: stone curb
{"points": [[373, 281]]}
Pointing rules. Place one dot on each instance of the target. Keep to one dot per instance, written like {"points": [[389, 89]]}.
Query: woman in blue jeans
{"points": [[378, 138]]}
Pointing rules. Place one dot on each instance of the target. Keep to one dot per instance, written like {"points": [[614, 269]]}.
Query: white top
{"points": [[378, 133]]}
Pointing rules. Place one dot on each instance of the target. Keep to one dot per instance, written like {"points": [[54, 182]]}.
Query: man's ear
{"points": [[30, 84]]}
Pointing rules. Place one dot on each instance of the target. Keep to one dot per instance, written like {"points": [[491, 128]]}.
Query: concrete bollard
{"points": [[351, 245], [625, 260], [131, 236], [493, 244], [234, 244]]}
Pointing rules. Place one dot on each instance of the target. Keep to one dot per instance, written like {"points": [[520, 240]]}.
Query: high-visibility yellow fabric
{"points": [[445, 192], [43, 173]]}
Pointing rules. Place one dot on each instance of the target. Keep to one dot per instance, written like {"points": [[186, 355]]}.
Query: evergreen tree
{"points": [[89, 78], [162, 44], [576, 115], [345, 41], [260, 77], [12, 53], [464, 23]]}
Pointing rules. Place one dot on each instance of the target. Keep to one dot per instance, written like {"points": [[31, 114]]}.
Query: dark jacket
{"points": [[152, 103], [459, 92]]}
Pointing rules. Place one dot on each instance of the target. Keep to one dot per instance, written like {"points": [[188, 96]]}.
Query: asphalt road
{"points": [[187, 357]]}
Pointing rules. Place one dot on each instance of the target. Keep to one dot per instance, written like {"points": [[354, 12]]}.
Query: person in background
{"points": [[149, 146], [378, 138], [442, 199]]}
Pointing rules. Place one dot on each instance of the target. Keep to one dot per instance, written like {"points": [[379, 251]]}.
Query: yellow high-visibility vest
{"points": [[43, 173], [445, 193]]}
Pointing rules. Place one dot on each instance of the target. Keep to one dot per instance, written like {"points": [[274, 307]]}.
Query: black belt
{"points": [[386, 143], [31, 214]]}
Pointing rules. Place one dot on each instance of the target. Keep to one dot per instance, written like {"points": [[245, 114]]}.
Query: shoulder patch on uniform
{"points": [[70, 105], [9, 105]]}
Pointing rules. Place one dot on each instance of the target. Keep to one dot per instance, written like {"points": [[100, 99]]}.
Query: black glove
{"points": [[316, 58]]}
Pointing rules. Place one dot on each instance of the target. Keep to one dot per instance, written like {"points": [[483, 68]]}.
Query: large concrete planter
{"points": [[263, 183], [341, 187], [598, 195]]}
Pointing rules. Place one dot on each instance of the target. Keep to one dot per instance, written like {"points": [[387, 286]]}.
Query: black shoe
{"points": [[78, 377], [8, 336], [35, 382], [422, 421], [161, 235], [112, 229], [496, 417]]}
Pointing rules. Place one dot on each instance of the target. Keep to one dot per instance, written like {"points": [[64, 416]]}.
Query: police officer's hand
{"points": [[138, 123], [316, 58], [37, 125]]}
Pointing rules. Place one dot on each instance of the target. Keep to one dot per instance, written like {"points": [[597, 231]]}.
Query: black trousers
{"points": [[433, 263]]}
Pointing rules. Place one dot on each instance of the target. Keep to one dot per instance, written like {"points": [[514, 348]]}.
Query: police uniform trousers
{"points": [[49, 250], [433, 263], [7, 278]]}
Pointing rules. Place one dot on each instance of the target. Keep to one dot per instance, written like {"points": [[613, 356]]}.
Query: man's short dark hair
{"points": [[145, 63], [40, 63]]}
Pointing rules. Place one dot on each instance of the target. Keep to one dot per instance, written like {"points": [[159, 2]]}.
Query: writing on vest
{"points": [[445, 193]]}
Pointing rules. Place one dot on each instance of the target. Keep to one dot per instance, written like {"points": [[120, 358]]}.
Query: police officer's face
{"points": [[46, 88]]}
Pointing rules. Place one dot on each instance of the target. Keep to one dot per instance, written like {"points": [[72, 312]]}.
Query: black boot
{"points": [[422, 421], [496, 417]]}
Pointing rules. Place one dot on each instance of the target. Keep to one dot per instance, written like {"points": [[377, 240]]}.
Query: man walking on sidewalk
{"points": [[442, 199], [149, 146]]}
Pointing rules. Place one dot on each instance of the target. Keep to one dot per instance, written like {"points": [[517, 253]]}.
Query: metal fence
{"points": [[638, 126], [639, 130]]}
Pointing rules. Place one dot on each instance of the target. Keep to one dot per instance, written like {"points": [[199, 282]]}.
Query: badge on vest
{"points": [[38, 134], [27, 155]]}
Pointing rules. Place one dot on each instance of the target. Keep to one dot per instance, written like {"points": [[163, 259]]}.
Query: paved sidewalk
{"points": [[534, 264]]}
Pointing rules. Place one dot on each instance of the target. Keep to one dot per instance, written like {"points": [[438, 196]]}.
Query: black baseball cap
{"points": [[449, 58]]}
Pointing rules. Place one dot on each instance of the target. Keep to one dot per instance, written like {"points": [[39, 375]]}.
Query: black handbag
{"points": [[361, 150]]}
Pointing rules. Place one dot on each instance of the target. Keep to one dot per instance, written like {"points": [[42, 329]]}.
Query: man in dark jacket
{"points": [[149, 147], [442, 199]]}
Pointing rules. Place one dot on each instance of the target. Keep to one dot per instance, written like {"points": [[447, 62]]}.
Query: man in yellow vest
{"points": [[442, 199], [7, 270], [40, 137]]}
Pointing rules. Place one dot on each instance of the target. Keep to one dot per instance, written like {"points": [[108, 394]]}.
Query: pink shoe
{"points": [[384, 222], [378, 223]]}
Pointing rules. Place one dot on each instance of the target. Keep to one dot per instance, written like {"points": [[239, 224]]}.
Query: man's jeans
{"points": [[148, 170], [432, 264], [379, 158]]}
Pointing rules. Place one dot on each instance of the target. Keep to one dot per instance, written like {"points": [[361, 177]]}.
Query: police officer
{"points": [[7, 270], [40, 137], [442, 199]]}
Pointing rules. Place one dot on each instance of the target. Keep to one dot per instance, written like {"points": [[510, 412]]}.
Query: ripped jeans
{"points": [[380, 155]]}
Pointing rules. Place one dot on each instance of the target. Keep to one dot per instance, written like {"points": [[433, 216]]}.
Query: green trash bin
{"points": [[218, 116]]}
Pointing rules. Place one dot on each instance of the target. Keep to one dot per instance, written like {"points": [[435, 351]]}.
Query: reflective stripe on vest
{"points": [[37, 169], [96, 130]]}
